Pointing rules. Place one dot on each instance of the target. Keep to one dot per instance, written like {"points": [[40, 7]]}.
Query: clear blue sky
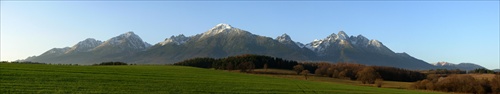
{"points": [[452, 31]]}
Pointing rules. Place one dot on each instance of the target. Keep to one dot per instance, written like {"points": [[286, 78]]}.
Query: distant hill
{"points": [[224, 40], [496, 70], [461, 66]]}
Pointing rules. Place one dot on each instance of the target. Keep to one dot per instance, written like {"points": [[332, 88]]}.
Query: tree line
{"points": [[241, 62], [345, 70], [110, 63], [354, 71]]}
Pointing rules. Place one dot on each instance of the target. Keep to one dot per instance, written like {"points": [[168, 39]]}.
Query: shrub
{"points": [[246, 67], [367, 76], [379, 82], [318, 72], [305, 73], [229, 66], [335, 74], [495, 84], [265, 67], [298, 68]]}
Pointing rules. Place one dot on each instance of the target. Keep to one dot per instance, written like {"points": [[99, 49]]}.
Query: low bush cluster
{"points": [[352, 71], [459, 83]]}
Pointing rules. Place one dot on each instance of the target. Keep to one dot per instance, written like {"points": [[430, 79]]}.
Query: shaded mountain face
{"points": [[461, 66], [496, 70], [224, 40]]}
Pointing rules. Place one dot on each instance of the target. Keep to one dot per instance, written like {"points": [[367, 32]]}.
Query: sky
{"points": [[433, 31]]}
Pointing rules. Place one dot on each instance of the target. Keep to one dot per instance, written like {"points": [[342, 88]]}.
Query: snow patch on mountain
{"points": [[314, 45], [284, 38], [443, 64], [359, 40], [342, 35], [375, 43], [219, 28], [461, 66], [126, 40], [56, 51], [85, 45], [178, 40]]}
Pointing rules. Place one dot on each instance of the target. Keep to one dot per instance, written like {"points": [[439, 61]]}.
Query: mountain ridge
{"points": [[461, 66], [225, 40]]}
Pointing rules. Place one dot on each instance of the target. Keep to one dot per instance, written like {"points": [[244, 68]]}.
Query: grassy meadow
{"points": [[39, 78]]}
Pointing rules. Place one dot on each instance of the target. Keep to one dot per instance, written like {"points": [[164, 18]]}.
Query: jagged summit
{"points": [[85, 45], [178, 40], [359, 40], [223, 28], [342, 35], [284, 38], [125, 41]]}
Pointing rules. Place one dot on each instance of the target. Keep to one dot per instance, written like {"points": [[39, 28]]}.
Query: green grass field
{"points": [[37, 78]]}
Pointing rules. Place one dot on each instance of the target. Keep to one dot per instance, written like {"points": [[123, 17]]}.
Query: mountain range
{"points": [[224, 40]]}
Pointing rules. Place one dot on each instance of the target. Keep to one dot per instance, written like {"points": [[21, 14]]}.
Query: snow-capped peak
{"points": [[179, 39], [128, 34], [222, 26], [126, 40], [342, 35], [284, 38], [321, 45], [222, 29]]}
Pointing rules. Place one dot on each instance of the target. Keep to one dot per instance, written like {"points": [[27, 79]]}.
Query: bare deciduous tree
{"points": [[367, 75], [305, 73], [298, 68]]}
